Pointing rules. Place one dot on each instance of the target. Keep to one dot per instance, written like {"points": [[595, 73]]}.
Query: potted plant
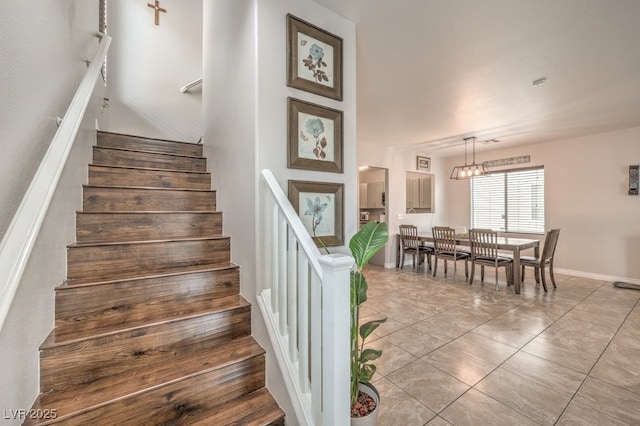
{"points": [[364, 397]]}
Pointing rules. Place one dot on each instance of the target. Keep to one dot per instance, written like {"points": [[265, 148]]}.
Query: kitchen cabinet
{"points": [[375, 195], [419, 193], [363, 196]]}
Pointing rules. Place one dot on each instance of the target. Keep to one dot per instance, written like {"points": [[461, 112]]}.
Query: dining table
{"points": [[511, 244]]}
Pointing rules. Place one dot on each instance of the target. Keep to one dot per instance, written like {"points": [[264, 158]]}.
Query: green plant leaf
{"points": [[366, 373], [369, 327], [370, 355], [359, 286], [367, 241]]}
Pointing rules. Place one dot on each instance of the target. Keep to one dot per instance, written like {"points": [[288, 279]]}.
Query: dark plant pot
{"points": [[372, 418]]}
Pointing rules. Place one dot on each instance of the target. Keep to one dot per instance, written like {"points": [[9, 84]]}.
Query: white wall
{"points": [[586, 184], [147, 66], [245, 128], [43, 45]]}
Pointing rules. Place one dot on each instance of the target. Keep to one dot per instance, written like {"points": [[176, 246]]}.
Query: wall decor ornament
{"points": [[634, 179], [423, 163], [315, 137], [320, 206], [314, 59]]}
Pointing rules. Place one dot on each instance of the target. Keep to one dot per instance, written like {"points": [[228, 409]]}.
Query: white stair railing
{"points": [[21, 235], [306, 308]]}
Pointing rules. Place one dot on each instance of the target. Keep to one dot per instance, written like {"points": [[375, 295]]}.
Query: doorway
{"points": [[373, 202]]}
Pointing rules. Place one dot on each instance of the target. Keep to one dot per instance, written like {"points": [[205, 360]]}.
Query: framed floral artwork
{"points": [[314, 59], [314, 137], [320, 206], [423, 163]]}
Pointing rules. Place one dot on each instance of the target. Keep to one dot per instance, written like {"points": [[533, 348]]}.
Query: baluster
{"points": [[292, 309], [282, 275], [303, 328], [274, 262]]}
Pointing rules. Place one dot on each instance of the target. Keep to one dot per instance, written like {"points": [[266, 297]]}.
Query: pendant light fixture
{"points": [[468, 170]]}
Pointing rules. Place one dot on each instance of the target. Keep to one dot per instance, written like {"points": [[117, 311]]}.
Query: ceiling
{"points": [[431, 72]]}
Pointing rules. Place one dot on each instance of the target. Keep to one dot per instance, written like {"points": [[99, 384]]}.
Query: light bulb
{"points": [[462, 173], [477, 171]]}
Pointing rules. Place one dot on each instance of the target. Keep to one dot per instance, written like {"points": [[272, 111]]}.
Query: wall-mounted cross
{"points": [[157, 9]]}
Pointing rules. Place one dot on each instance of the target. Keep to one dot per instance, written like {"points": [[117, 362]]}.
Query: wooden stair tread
{"points": [[154, 315], [126, 135], [147, 188], [156, 144], [107, 156], [254, 409], [199, 157], [142, 212], [150, 169], [174, 271], [168, 240], [168, 367], [70, 284]]}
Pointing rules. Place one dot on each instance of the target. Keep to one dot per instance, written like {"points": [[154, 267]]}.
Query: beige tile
{"points": [[475, 408], [620, 366], [512, 329], [611, 400], [581, 415], [399, 408], [414, 341], [392, 359], [628, 335], [495, 303], [407, 315], [576, 323], [539, 402], [438, 421], [513, 338], [444, 328], [427, 384], [482, 347], [387, 327], [554, 376], [576, 351], [467, 368]]}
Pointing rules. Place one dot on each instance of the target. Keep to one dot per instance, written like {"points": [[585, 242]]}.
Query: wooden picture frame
{"points": [[314, 59], [315, 137], [423, 163], [320, 206]]}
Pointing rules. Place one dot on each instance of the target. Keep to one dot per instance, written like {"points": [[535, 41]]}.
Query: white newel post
{"points": [[336, 269]]}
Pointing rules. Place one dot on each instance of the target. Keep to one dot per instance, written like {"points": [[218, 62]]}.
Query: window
{"points": [[509, 201]]}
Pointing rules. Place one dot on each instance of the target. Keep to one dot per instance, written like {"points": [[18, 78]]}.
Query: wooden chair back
{"points": [[550, 243], [484, 243], [409, 235], [444, 239]]}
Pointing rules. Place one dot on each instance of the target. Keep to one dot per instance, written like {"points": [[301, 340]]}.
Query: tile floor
{"points": [[468, 355]]}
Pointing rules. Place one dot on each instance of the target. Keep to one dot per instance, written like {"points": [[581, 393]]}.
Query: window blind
{"points": [[509, 201]]}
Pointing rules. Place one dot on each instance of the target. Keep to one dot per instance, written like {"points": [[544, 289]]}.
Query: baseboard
{"points": [[595, 276], [581, 274]]}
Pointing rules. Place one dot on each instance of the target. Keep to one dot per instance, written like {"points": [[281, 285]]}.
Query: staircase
{"points": [[150, 327]]}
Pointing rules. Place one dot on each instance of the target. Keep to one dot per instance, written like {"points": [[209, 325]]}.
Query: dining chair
{"points": [[412, 245], [444, 239], [484, 252], [539, 264]]}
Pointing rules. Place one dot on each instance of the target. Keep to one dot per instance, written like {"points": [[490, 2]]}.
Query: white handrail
{"points": [[191, 85], [306, 309], [21, 235]]}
